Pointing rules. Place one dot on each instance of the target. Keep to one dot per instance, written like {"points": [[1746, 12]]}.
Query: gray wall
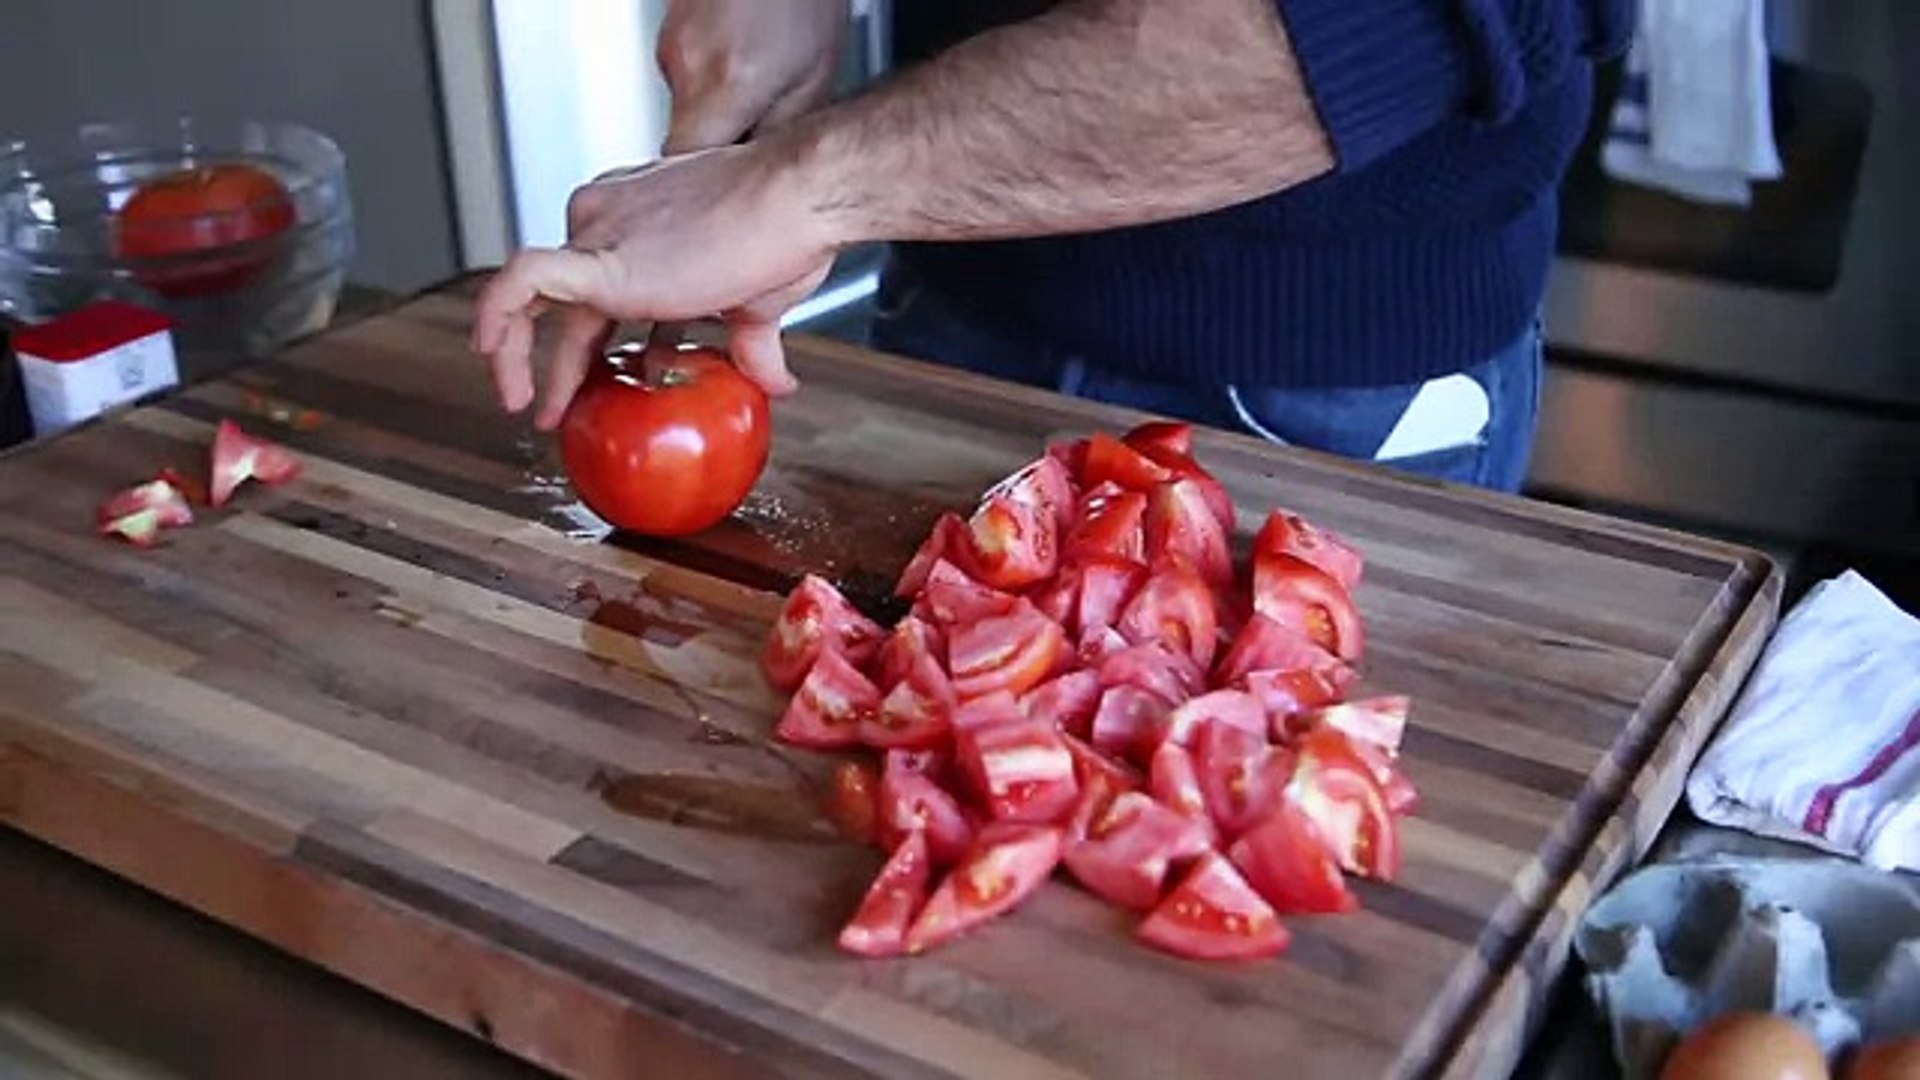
{"points": [[358, 70]]}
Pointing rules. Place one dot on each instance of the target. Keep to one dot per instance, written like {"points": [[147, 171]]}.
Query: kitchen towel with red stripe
{"points": [[1823, 746]]}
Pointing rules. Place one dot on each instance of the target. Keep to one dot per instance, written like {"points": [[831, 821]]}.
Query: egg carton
{"points": [[1830, 943]]}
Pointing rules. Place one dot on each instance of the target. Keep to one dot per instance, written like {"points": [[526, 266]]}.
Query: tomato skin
{"points": [[1165, 436], [879, 927], [1127, 722], [1180, 526], [1007, 864], [853, 803], [1011, 544], [1213, 914], [1175, 780], [1243, 777], [1211, 492], [1106, 586], [951, 598], [1110, 461], [666, 445], [1287, 533], [202, 210]]}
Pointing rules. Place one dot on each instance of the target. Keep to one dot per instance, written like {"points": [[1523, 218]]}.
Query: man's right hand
{"points": [[736, 66]]}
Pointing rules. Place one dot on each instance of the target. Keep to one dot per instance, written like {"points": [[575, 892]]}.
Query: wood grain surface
{"points": [[391, 718]]}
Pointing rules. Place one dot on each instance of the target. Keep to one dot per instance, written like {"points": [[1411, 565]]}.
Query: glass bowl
{"points": [[61, 234]]}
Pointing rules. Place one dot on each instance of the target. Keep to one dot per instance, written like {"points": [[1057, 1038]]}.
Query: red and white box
{"points": [[80, 364]]}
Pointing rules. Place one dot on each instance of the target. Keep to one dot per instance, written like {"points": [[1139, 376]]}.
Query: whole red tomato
{"points": [[666, 444], [199, 211]]}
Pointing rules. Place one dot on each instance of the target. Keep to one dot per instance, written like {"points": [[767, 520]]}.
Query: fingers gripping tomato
{"points": [[667, 443]]}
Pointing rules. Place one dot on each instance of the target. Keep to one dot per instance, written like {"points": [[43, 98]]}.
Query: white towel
{"points": [[1823, 746], [1694, 115]]}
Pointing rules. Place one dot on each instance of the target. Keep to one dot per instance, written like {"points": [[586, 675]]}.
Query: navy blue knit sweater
{"points": [[1425, 251]]}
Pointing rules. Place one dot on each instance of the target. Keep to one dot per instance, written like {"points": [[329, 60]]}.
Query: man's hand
{"points": [[719, 231], [737, 66]]}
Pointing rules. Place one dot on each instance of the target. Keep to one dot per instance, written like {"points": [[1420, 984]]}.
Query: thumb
{"points": [[556, 274]]}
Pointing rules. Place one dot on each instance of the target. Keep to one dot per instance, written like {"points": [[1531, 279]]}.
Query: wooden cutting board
{"points": [[394, 720]]}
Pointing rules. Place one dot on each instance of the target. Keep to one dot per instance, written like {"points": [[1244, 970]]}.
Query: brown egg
{"points": [[1889, 1059], [1747, 1046]]}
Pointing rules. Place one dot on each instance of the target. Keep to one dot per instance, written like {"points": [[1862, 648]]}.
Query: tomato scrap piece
{"points": [[1213, 914], [1021, 771], [1008, 864], [879, 927], [1181, 526], [1336, 790], [1377, 721], [1295, 593], [1128, 849], [815, 618], [916, 714], [1287, 533], [1174, 607], [1232, 708], [1015, 651], [1174, 779], [140, 512], [831, 707], [1167, 436], [238, 457], [942, 542], [1242, 776], [1288, 862], [853, 801], [911, 802], [1068, 701]]}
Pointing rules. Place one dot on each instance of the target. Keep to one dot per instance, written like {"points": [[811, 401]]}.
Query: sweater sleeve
{"points": [[1381, 72]]}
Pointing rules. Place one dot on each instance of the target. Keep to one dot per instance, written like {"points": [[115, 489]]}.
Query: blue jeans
{"points": [[1362, 423]]}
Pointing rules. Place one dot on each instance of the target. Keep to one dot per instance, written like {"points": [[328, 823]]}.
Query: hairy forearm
{"points": [[1098, 114]]}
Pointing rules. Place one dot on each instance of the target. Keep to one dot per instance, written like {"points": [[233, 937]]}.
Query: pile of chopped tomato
{"points": [[1088, 683]]}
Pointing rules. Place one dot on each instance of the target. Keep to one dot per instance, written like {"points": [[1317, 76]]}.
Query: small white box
{"points": [[87, 361]]}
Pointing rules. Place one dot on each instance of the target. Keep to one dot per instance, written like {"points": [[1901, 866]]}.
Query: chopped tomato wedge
{"points": [[1128, 849], [916, 714], [1106, 586], [912, 639], [1153, 667], [1098, 644], [1212, 492], [879, 927], [1090, 765], [140, 512], [190, 486], [943, 542], [935, 765], [1287, 861], [911, 803], [1072, 454], [1059, 596], [1180, 526], [1110, 525], [1243, 777], [1231, 708], [1335, 789], [1297, 594], [1175, 780], [1110, 461], [1378, 721], [1008, 863], [1287, 692], [1265, 645], [1011, 544], [1287, 533], [831, 706], [951, 597], [815, 618], [1168, 436], [1213, 914], [1128, 721], [239, 457], [1013, 652], [1021, 771], [1402, 798], [988, 710], [1045, 484], [853, 803], [1174, 607], [1068, 701]]}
